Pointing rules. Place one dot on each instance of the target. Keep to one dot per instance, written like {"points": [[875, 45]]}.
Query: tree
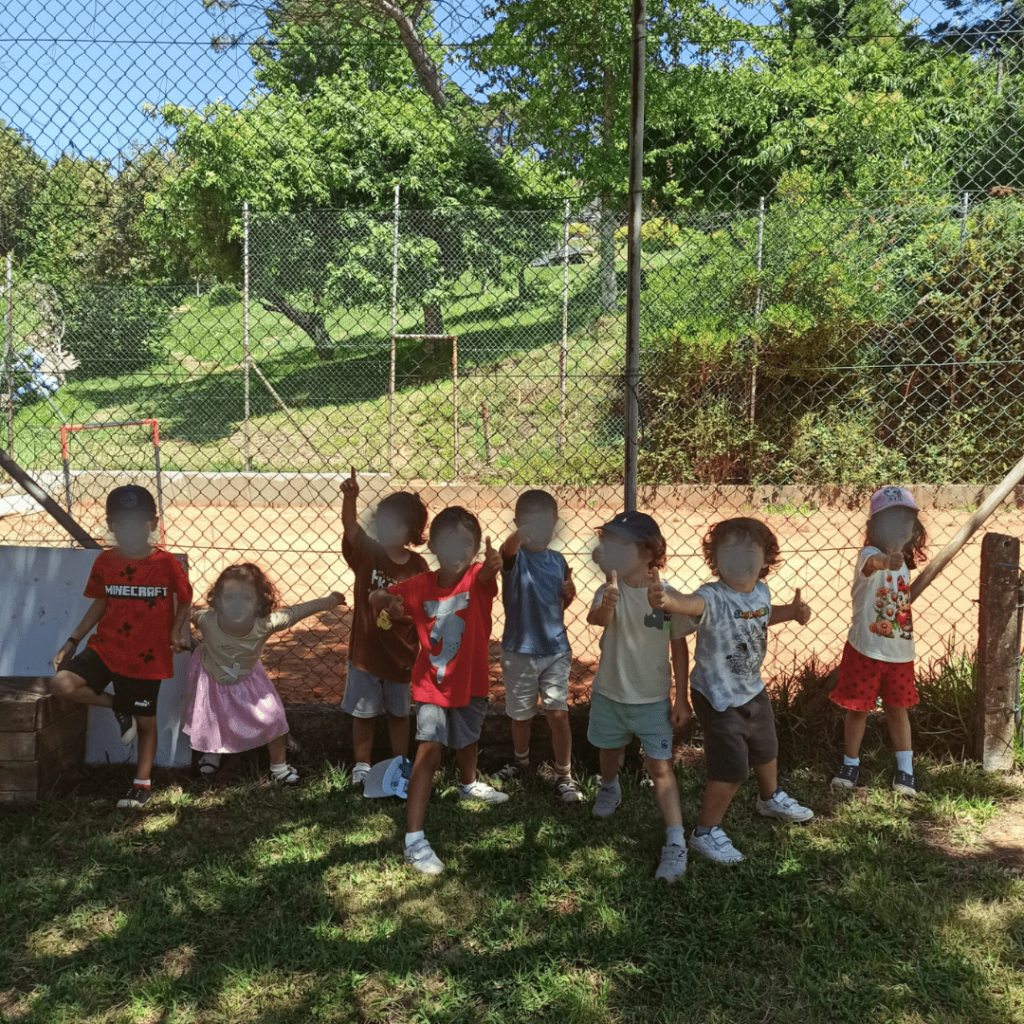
{"points": [[22, 176]]}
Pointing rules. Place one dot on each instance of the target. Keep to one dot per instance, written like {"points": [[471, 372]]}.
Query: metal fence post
{"points": [[245, 332], [638, 60], [996, 697], [10, 354], [757, 310], [394, 329], [963, 219], [563, 354]]}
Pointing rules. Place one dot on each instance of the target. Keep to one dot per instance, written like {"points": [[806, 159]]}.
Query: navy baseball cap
{"points": [[633, 526], [131, 501]]}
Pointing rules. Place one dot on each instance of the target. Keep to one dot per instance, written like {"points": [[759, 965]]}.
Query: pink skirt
{"points": [[229, 719]]}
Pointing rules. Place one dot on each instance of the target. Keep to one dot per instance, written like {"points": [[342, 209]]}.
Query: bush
{"points": [[656, 234], [224, 295]]}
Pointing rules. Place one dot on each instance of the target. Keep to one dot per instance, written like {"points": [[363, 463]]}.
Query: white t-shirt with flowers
{"points": [[882, 626]]}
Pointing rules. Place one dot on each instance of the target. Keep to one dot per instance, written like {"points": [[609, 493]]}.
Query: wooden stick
{"points": [[964, 534]]}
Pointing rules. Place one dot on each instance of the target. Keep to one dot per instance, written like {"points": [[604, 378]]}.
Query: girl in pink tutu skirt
{"points": [[232, 705]]}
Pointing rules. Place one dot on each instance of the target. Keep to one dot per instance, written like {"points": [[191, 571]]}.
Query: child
{"points": [[381, 652], [140, 607], [231, 704], [451, 612], [537, 587], [630, 692], [878, 660], [733, 615]]}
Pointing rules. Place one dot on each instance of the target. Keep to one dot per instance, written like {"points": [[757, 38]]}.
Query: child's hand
{"points": [[568, 587], [181, 643], [492, 558], [350, 487], [337, 597], [801, 610], [67, 649], [681, 715], [395, 607], [894, 561], [610, 597], [656, 591]]}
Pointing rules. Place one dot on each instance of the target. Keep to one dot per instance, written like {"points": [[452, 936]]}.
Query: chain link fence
{"points": [[354, 258]]}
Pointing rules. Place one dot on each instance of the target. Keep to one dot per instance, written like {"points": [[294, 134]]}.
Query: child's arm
{"points": [[91, 617], [881, 563], [675, 603], [492, 564], [510, 547], [602, 614], [568, 589], [181, 639], [796, 611], [384, 601], [682, 712], [285, 617], [349, 516]]}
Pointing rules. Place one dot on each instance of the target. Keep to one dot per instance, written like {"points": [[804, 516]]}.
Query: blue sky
{"points": [[74, 74]]}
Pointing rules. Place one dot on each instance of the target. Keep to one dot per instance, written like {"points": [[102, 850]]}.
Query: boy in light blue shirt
{"points": [[536, 658]]}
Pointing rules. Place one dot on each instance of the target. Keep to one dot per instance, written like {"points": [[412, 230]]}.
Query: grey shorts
{"points": [[526, 675], [736, 738], [453, 727], [613, 724], [367, 696]]}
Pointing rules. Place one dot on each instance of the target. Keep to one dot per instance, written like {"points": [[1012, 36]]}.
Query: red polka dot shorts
{"points": [[862, 680]]}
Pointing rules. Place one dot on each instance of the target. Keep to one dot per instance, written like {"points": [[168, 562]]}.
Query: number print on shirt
{"points": [[448, 628]]}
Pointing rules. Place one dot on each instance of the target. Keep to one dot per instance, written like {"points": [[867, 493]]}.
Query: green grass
{"points": [[243, 903]]}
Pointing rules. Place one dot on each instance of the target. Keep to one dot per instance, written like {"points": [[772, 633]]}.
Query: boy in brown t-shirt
{"points": [[381, 651]]}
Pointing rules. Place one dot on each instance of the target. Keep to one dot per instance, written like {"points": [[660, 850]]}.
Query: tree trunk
{"points": [[433, 323], [310, 322], [607, 282], [427, 72]]}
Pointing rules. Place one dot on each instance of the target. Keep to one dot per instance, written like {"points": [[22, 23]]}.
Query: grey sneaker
{"points": [[904, 784], [785, 807], [359, 774], [716, 846], [568, 791], [128, 726], [481, 791], [137, 798], [846, 776], [607, 801], [422, 857], [673, 863]]}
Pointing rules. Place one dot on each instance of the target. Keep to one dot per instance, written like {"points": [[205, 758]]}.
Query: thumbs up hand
{"points": [[801, 610], [610, 597], [568, 588], [656, 591], [350, 487], [492, 558]]}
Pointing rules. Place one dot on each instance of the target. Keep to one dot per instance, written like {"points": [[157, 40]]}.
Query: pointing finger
{"points": [[353, 474]]}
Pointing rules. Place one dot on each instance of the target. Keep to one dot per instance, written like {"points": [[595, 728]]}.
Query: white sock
{"points": [[279, 769], [563, 771], [905, 761], [613, 785], [142, 782], [674, 836], [467, 786], [361, 764], [851, 762], [414, 837]]}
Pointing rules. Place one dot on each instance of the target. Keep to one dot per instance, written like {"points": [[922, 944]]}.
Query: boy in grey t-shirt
{"points": [[732, 618], [631, 693]]}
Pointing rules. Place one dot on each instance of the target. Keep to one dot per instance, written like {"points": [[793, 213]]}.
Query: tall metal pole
{"points": [[636, 185], [10, 354], [245, 332], [563, 355], [394, 331]]}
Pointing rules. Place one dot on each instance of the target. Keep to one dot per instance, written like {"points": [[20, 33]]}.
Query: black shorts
{"points": [[736, 738], [131, 696]]}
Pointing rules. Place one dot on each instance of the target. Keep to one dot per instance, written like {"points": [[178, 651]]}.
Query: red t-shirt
{"points": [[454, 629], [134, 636]]}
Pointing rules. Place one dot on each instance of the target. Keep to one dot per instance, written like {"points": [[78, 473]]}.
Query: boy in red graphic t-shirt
{"points": [[451, 612], [141, 599]]}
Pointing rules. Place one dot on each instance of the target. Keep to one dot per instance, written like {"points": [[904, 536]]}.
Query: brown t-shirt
{"points": [[379, 646]]}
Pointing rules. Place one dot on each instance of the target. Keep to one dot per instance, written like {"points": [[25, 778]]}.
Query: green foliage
{"points": [[224, 295], [22, 176], [656, 234]]}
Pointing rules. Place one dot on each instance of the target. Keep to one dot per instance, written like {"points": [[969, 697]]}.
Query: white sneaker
{"points": [[716, 846], [606, 802], [481, 791], [785, 807], [422, 857], [673, 863], [359, 774]]}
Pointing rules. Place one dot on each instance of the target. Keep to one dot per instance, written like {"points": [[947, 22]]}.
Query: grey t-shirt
{"points": [[635, 666], [732, 637]]}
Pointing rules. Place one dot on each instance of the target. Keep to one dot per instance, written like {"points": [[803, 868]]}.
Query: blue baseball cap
{"points": [[633, 526]]}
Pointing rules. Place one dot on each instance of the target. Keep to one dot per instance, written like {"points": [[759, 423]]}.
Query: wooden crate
{"points": [[40, 737]]}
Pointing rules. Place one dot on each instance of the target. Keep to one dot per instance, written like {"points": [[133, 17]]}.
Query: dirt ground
{"points": [[301, 547]]}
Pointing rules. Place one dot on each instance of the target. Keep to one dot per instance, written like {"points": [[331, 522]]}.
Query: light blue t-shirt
{"points": [[533, 599], [732, 638]]}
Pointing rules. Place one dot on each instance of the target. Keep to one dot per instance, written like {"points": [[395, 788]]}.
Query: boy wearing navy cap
{"points": [[141, 600], [631, 692]]}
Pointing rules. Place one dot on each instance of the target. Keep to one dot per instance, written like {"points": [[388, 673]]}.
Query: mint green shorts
{"points": [[613, 724]]}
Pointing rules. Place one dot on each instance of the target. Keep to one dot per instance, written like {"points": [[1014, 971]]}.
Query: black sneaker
{"points": [[846, 776], [904, 784], [126, 723], [137, 798], [511, 771]]}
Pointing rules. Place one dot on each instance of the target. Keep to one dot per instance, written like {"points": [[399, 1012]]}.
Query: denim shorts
{"points": [[453, 727], [367, 696], [526, 675]]}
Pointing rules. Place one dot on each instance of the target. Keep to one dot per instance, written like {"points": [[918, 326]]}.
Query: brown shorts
{"points": [[736, 738]]}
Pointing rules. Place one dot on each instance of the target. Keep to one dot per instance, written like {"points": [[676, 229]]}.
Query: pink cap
{"points": [[891, 497]]}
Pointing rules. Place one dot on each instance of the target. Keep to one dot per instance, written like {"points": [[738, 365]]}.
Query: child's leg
{"points": [[717, 797], [398, 734], [666, 791], [147, 746], [898, 722], [421, 781], [767, 776], [853, 732], [277, 748], [610, 765], [466, 761], [362, 739], [561, 737], [521, 730], [70, 686]]}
